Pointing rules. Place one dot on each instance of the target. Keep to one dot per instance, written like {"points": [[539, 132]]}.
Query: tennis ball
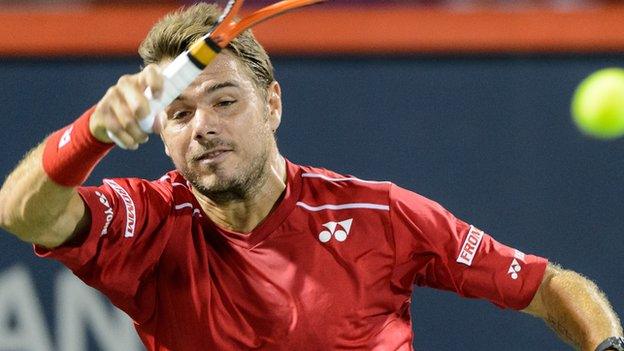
{"points": [[598, 104]]}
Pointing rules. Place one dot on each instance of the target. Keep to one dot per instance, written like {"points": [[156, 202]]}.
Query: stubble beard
{"points": [[239, 187]]}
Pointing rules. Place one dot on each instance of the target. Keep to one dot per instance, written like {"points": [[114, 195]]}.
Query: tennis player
{"points": [[238, 248]]}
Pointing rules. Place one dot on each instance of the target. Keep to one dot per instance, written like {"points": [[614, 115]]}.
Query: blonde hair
{"points": [[174, 33]]}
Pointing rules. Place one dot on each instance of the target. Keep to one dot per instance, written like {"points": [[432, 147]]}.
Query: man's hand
{"points": [[123, 105]]}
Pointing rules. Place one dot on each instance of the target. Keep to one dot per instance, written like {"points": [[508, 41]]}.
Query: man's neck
{"points": [[244, 216]]}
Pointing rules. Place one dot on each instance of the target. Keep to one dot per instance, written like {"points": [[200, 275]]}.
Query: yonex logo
{"points": [[109, 212], [514, 269], [339, 230]]}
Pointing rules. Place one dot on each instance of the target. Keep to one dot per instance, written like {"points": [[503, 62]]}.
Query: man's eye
{"points": [[225, 103], [181, 114]]}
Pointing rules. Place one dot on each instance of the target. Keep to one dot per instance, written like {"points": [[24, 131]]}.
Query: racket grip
{"points": [[178, 75]]}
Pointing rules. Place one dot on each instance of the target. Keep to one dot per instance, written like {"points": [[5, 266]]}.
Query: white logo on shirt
{"points": [[108, 212], [131, 218], [339, 230], [470, 246], [515, 266], [514, 269], [66, 137]]}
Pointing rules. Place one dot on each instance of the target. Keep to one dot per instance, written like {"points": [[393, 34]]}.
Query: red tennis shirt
{"points": [[331, 268]]}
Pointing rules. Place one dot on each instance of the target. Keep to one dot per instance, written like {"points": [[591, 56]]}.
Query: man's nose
{"points": [[206, 124]]}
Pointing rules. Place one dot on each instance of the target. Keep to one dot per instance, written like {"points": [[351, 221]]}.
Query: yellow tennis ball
{"points": [[598, 104]]}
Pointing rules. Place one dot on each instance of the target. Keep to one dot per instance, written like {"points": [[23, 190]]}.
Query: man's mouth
{"points": [[212, 155]]}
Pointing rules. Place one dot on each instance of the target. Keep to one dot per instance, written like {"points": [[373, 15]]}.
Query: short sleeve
{"points": [[124, 243], [437, 250]]}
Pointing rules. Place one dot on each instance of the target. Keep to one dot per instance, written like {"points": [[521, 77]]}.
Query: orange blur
{"points": [[107, 30]]}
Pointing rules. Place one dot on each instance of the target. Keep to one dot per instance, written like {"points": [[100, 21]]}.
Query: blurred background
{"points": [[474, 3], [465, 102]]}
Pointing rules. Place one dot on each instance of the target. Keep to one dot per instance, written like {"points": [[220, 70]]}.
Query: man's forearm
{"points": [[575, 308], [34, 208]]}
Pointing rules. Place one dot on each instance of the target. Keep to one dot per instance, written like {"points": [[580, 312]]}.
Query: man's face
{"points": [[219, 132]]}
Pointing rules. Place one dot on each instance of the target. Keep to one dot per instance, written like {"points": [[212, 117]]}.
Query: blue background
{"points": [[489, 137]]}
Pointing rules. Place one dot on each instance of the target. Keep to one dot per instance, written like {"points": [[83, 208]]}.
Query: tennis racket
{"points": [[182, 71]]}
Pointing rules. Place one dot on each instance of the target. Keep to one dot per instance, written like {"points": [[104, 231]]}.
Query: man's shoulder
{"points": [[323, 184], [326, 175], [167, 179], [165, 188]]}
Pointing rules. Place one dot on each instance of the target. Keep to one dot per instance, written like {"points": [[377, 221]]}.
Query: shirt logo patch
{"points": [[131, 218], [470, 246], [339, 230], [514, 269], [108, 212]]}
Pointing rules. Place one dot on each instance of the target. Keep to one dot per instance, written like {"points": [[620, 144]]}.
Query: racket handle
{"points": [[178, 75]]}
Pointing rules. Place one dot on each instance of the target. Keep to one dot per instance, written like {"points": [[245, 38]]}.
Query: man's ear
{"points": [[274, 99]]}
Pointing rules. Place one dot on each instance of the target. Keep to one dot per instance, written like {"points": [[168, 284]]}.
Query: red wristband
{"points": [[71, 153]]}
